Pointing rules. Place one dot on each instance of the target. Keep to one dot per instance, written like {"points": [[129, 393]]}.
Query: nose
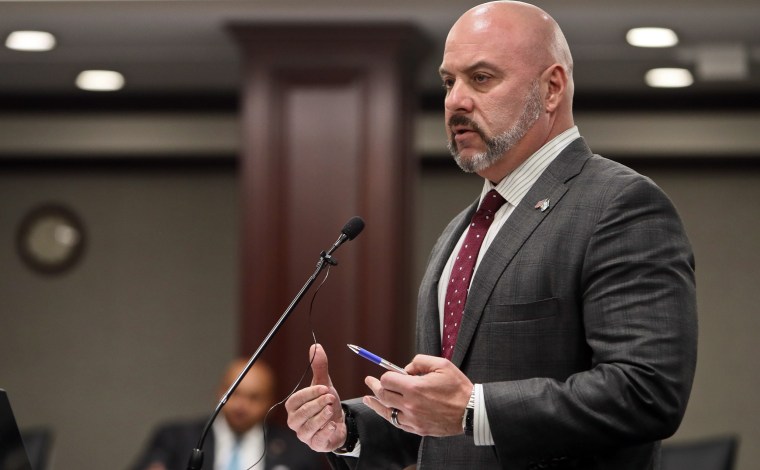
{"points": [[458, 98]]}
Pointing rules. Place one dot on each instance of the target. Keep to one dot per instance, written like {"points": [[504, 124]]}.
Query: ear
{"points": [[555, 78]]}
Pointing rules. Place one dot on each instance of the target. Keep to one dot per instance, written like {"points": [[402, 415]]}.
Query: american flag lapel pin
{"points": [[542, 204]]}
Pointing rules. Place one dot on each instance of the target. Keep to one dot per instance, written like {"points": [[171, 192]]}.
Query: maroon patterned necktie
{"points": [[464, 265]]}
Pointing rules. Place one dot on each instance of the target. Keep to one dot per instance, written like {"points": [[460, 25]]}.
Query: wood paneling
{"points": [[327, 127]]}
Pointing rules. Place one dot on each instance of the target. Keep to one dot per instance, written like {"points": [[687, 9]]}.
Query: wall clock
{"points": [[51, 239]]}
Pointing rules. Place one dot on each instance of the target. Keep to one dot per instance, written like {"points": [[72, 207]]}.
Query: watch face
{"points": [[51, 239]]}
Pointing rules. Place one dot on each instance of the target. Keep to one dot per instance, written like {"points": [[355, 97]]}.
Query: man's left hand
{"points": [[431, 400]]}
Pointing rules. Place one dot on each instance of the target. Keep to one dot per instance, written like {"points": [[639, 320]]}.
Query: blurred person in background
{"points": [[236, 439]]}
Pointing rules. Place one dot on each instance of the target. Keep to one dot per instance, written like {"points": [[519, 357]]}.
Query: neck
{"points": [[543, 131]]}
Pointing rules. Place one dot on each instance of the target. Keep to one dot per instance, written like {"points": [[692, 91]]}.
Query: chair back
{"points": [[716, 453], [39, 444]]}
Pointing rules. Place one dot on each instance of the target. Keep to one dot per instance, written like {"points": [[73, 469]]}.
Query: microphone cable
{"points": [[303, 376]]}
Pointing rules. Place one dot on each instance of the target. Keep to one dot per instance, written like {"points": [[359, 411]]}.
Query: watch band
{"points": [[468, 420], [352, 433]]}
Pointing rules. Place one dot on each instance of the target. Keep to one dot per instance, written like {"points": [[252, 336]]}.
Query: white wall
{"points": [[724, 229], [138, 331]]}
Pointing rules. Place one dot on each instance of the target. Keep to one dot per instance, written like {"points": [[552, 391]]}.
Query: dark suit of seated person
{"points": [[236, 439]]}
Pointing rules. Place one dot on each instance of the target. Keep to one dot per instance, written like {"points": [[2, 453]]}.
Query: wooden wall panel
{"points": [[326, 122]]}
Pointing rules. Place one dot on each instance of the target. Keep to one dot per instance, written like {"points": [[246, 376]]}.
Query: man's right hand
{"points": [[314, 413]]}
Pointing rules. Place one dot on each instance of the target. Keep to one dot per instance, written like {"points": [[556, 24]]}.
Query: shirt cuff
{"points": [[481, 427], [353, 453]]}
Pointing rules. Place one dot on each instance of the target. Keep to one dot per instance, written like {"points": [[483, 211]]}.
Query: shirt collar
{"points": [[517, 184], [223, 430]]}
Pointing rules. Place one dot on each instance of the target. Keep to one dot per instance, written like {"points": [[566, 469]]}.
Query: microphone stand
{"points": [[196, 455]]}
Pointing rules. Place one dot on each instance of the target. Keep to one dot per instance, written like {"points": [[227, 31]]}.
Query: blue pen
{"points": [[376, 359]]}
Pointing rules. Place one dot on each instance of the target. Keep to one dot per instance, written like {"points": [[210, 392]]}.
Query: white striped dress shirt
{"points": [[251, 446]]}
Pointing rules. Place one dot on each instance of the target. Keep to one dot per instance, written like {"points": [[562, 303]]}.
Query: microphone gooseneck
{"points": [[350, 231]]}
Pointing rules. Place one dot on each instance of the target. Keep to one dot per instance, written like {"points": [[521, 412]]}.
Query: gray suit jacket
{"points": [[580, 323]]}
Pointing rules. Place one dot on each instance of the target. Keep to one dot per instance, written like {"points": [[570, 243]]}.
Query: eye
{"points": [[480, 78], [447, 83]]}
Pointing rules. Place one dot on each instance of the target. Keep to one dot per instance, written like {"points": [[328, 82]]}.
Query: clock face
{"points": [[51, 239]]}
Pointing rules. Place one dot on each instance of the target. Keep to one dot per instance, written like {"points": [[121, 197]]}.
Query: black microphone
{"points": [[353, 227], [349, 231]]}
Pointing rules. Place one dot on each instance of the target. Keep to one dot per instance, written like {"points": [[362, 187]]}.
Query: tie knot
{"points": [[492, 202]]}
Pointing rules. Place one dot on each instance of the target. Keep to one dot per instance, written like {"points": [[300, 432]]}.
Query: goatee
{"points": [[497, 146]]}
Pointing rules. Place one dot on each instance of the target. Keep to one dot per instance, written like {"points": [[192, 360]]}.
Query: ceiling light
{"points": [[100, 80], [651, 37], [668, 78], [30, 41]]}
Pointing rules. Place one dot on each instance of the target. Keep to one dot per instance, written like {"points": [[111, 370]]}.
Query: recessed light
{"points": [[669, 78], [651, 37], [100, 80], [30, 41]]}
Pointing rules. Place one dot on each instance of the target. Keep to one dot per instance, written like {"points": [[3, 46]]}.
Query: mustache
{"points": [[459, 120]]}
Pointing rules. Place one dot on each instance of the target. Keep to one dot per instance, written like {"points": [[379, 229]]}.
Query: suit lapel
{"points": [[429, 327], [513, 235]]}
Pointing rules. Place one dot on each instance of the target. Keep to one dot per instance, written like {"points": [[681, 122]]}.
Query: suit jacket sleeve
{"points": [[634, 297], [382, 445]]}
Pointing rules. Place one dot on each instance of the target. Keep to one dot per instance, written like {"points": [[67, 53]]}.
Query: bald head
{"points": [[252, 398], [524, 28]]}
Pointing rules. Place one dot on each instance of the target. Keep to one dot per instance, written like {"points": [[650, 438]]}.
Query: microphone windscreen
{"points": [[353, 227]]}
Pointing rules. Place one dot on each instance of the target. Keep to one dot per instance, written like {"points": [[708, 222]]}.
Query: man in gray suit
{"points": [[576, 343]]}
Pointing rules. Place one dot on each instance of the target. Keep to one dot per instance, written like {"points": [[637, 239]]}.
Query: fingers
{"points": [[422, 364], [381, 402], [377, 407], [389, 395], [312, 416], [386, 396], [323, 434], [319, 369], [429, 402], [387, 412], [306, 399], [329, 438], [314, 413]]}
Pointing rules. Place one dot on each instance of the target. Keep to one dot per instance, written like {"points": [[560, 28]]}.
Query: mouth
{"points": [[461, 130], [462, 135]]}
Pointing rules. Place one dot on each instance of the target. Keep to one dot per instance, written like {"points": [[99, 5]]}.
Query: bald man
{"points": [[556, 321], [236, 439]]}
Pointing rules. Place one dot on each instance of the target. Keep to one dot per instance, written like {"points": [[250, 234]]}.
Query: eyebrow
{"points": [[481, 64]]}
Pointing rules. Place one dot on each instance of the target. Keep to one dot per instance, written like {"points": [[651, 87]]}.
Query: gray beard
{"points": [[497, 146]]}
